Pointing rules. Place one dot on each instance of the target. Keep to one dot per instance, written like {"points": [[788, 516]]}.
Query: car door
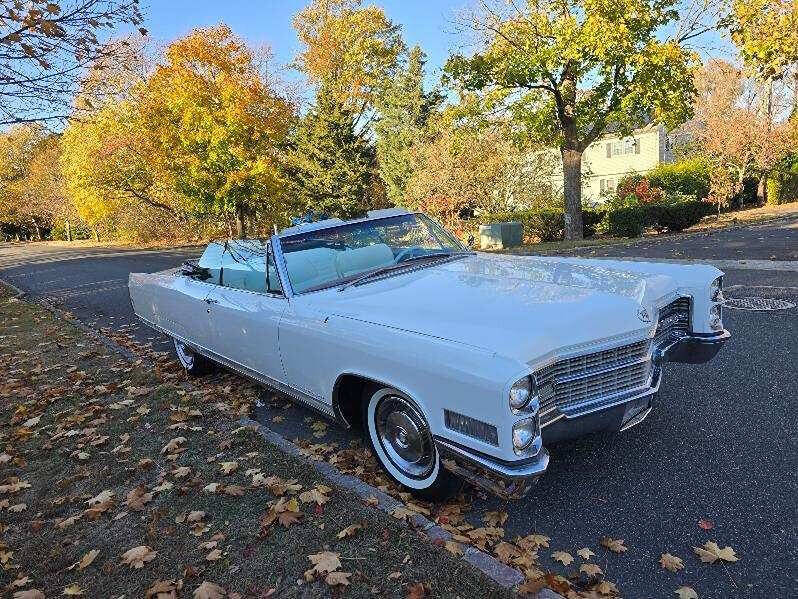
{"points": [[183, 311], [245, 317]]}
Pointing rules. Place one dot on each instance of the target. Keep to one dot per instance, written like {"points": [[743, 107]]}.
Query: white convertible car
{"points": [[452, 362]]}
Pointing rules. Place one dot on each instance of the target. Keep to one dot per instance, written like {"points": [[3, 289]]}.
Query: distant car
{"points": [[451, 361]]}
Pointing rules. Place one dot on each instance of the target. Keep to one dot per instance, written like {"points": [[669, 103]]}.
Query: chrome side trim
{"points": [[282, 269], [300, 396], [637, 419], [535, 467]]}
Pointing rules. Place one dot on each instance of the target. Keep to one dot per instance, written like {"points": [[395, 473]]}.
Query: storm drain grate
{"points": [[758, 303]]}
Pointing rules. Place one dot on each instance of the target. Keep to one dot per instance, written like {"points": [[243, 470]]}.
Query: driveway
{"points": [[720, 446]]}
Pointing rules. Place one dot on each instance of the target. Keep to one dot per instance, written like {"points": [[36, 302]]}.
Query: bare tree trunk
{"points": [[37, 229], [572, 189], [96, 234], [762, 189], [241, 222], [68, 230]]}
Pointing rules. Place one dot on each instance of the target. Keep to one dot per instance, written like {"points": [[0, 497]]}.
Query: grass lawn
{"points": [[122, 479]]}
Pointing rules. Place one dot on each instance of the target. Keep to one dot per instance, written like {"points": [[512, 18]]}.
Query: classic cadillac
{"points": [[455, 364]]}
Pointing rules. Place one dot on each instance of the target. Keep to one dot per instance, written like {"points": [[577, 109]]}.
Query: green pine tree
{"points": [[332, 164], [404, 109]]}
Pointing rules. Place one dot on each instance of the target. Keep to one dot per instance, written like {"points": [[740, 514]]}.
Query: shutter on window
{"points": [[609, 150], [637, 146]]}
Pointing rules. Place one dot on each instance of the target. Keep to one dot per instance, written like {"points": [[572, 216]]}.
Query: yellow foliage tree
{"points": [[216, 127]]}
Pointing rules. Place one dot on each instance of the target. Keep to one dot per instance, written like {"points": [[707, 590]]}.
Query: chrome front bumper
{"points": [[513, 480]]}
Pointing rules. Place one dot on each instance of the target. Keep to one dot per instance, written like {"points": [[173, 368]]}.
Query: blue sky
{"points": [[428, 23], [424, 22]]}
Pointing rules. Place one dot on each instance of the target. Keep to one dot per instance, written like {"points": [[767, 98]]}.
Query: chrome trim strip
{"points": [[301, 396], [637, 419], [282, 269], [535, 467]]}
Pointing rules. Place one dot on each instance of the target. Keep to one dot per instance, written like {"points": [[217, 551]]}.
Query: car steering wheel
{"points": [[409, 252]]}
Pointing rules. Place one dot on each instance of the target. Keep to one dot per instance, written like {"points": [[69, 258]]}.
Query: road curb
{"points": [[498, 572], [18, 293]]}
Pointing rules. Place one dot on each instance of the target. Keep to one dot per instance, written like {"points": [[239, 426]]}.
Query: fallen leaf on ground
{"points": [[325, 562], [138, 556], [314, 495], [453, 547], [417, 591], [162, 589], [208, 590], [671, 562], [73, 590], [349, 531], [533, 541], [101, 497], [228, 467], [138, 497], [563, 557], [337, 578], [585, 553], [497, 518], [591, 569], [87, 559], [173, 445], [614, 545], [29, 594], [685, 592], [710, 552], [706, 524], [195, 516], [214, 555]]}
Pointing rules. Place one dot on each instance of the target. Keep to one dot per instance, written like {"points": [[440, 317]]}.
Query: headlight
{"points": [[524, 433], [522, 392], [716, 317], [716, 290]]}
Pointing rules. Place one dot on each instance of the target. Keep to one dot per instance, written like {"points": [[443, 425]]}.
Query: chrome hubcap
{"points": [[184, 354], [404, 436]]}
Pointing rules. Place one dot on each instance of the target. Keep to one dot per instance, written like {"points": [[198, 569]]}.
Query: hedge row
{"points": [[632, 221], [549, 225]]}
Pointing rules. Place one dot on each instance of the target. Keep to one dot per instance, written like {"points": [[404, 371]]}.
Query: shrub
{"points": [[627, 221], [681, 215], [690, 177], [591, 217], [640, 187]]}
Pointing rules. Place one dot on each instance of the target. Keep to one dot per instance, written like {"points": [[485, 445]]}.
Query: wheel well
{"points": [[348, 398]]}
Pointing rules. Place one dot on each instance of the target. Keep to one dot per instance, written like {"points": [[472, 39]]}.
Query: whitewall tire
{"points": [[399, 435], [194, 363]]}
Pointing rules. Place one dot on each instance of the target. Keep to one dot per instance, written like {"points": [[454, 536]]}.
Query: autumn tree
{"points": [[766, 32], [348, 49], [404, 109], [31, 190], [568, 70], [216, 126], [349, 52], [45, 46], [739, 139]]}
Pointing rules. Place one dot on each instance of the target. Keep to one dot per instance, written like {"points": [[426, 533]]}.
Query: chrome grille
{"points": [[573, 384]]}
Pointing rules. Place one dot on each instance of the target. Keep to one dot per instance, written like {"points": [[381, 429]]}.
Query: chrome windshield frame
{"points": [[282, 268]]}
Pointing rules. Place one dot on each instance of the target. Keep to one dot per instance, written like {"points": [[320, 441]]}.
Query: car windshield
{"points": [[337, 255]]}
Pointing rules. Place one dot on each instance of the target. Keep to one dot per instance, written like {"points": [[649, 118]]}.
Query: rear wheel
{"points": [[401, 439], [194, 363]]}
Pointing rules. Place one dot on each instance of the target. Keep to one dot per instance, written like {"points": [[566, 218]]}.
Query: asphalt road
{"points": [[721, 444]]}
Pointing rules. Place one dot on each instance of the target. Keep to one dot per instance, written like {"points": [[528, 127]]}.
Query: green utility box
{"points": [[500, 235]]}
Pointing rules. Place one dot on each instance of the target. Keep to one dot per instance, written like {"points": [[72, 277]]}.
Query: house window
{"points": [[629, 145], [602, 185], [617, 148], [606, 185]]}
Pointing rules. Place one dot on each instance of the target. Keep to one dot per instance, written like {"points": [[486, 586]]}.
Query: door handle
{"points": [[210, 300]]}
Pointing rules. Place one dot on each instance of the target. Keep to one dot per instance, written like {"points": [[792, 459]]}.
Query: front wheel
{"points": [[401, 439], [194, 363]]}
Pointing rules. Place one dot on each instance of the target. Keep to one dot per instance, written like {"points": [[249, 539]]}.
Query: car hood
{"points": [[517, 306]]}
